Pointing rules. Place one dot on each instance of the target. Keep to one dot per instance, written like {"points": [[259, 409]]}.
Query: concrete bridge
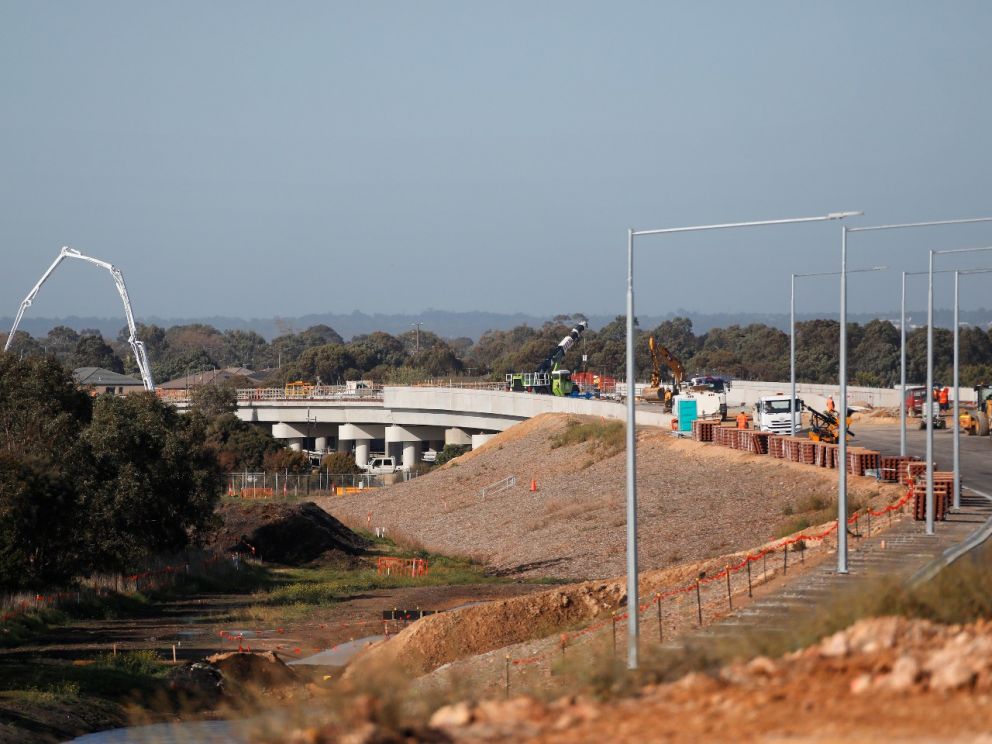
{"points": [[404, 421]]}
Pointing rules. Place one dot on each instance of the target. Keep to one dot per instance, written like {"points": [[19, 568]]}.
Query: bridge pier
{"points": [[457, 436], [362, 435]]}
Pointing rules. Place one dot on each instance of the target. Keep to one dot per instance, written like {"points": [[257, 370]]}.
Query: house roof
{"points": [[205, 378], [100, 376]]}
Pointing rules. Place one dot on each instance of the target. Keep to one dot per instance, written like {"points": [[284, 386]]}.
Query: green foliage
{"points": [[284, 459], [239, 445], [93, 484], [450, 452], [340, 463], [214, 400], [153, 483], [92, 351], [607, 437], [143, 662]]}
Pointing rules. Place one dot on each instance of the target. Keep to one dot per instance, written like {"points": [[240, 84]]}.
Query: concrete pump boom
{"points": [[136, 346], [562, 348]]}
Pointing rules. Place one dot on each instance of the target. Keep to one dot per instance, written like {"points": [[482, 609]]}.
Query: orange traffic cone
{"points": [[533, 485]]}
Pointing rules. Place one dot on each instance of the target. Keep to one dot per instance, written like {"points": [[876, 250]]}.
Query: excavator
{"points": [[549, 376], [825, 427], [655, 391]]}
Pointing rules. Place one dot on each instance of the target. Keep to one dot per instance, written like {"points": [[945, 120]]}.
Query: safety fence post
{"points": [[699, 605], [785, 560], [614, 634], [507, 675], [730, 598], [764, 569], [661, 625], [748, 564]]}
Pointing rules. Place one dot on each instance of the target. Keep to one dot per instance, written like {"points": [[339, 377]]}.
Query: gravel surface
{"points": [[695, 501]]}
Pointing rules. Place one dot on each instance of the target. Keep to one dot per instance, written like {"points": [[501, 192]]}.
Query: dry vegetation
{"points": [[695, 500]]}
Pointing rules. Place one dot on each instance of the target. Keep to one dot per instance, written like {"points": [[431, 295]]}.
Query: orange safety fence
{"points": [[401, 566], [658, 596]]}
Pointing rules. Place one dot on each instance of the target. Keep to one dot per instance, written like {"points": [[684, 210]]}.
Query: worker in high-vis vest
{"points": [[742, 420]]}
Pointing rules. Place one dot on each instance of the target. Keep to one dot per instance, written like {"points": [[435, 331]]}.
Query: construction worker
{"points": [[830, 405], [742, 420], [945, 394]]}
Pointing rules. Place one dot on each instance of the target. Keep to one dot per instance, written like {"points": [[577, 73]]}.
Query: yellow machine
{"points": [[298, 389], [977, 421], [825, 427], [655, 391]]}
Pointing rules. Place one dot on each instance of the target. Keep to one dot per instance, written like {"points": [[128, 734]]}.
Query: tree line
{"points": [[320, 354], [94, 484]]}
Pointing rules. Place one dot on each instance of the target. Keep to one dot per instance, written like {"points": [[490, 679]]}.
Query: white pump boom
{"points": [[136, 346]]}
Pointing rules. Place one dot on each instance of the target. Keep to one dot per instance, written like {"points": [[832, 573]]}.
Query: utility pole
{"points": [[417, 326]]}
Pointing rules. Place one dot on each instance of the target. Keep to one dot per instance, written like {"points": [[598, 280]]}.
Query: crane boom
{"points": [[137, 347]]}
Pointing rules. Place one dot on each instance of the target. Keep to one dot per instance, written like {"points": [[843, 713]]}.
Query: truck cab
{"points": [[717, 385], [771, 413]]}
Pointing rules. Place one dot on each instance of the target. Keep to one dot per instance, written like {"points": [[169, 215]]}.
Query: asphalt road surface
{"points": [[976, 452]]}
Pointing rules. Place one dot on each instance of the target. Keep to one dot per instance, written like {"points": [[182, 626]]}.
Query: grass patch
{"points": [[607, 438], [811, 510], [297, 592]]}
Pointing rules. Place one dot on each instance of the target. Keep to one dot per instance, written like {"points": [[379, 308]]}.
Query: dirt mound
{"points": [[695, 501], [253, 668], [291, 534]]}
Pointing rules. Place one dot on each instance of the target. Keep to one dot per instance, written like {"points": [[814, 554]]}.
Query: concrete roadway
{"points": [[976, 452]]}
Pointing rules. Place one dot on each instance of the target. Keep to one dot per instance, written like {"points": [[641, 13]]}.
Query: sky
{"points": [[263, 159]]}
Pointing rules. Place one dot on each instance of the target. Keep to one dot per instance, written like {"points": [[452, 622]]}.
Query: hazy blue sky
{"points": [[263, 158]]}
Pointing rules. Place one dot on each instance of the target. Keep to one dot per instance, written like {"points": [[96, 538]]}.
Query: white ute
{"points": [[382, 466]]}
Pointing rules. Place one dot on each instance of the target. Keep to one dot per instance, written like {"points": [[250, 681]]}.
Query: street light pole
{"points": [[957, 387], [930, 495], [632, 588], [902, 372], [842, 472], [792, 333]]}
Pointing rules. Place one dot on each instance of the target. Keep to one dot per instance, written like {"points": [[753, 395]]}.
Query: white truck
{"points": [[771, 413]]}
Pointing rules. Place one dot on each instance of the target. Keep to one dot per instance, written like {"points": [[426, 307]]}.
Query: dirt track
{"points": [[695, 501]]}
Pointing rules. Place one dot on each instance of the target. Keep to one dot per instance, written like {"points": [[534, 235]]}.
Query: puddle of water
{"points": [[191, 732], [340, 654]]}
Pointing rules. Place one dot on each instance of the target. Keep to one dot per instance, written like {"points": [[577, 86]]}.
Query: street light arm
{"points": [[978, 249], [837, 273], [934, 223], [758, 223]]}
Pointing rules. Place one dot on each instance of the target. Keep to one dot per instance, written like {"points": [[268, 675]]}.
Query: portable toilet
{"points": [[686, 410]]}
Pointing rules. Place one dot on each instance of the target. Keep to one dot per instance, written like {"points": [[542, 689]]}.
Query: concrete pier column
{"points": [[411, 452], [457, 436], [480, 439], [297, 444], [320, 444], [362, 452]]}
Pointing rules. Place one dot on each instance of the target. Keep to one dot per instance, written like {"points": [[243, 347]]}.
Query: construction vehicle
{"points": [[977, 421], [931, 409], [716, 385], [825, 427], [654, 391], [771, 413], [137, 346], [550, 377]]}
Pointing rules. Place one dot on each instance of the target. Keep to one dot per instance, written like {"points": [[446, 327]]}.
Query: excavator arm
{"points": [[678, 371]]}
